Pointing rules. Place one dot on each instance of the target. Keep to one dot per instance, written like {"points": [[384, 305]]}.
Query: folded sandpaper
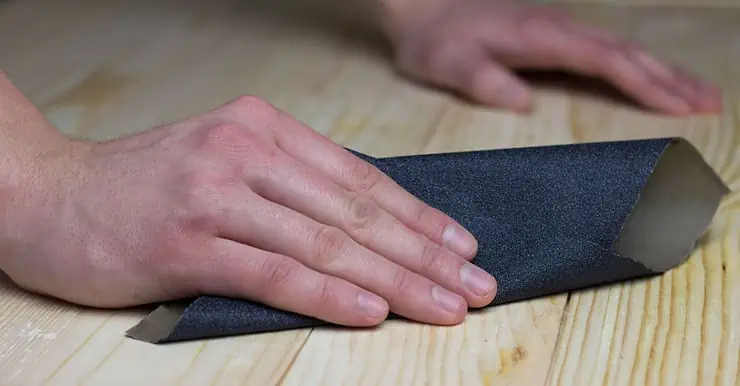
{"points": [[548, 220]]}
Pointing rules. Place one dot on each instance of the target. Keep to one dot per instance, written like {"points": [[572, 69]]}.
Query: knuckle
{"points": [[400, 283], [252, 107], [362, 213], [329, 244], [364, 176], [277, 274], [422, 215], [326, 293], [237, 143], [431, 218], [252, 102], [431, 258]]}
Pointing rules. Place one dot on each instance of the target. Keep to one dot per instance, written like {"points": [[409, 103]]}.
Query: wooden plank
{"points": [[499, 346], [679, 329], [45, 342], [185, 56], [607, 334]]}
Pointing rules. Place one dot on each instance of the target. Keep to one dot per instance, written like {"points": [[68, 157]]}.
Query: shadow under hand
{"points": [[593, 88], [5, 281]]}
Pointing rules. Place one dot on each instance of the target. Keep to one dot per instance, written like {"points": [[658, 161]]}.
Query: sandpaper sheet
{"points": [[548, 220]]}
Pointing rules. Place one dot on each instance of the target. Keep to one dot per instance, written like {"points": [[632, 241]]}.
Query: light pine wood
{"points": [[680, 329], [105, 69], [501, 346]]}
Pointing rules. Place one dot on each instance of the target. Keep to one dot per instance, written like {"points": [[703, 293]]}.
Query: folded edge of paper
{"points": [[159, 324], [674, 209]]}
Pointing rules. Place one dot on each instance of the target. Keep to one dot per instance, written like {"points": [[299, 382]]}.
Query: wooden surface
{"points": [[105, 69]]}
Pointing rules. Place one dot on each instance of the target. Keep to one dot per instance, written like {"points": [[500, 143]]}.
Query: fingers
{"points": [[242, 271], [489, 83], [330, 251], [571, 46], [700, 95], [306, 191], [469, 70], [640, 84], [558, 47], [358, 176], [315, 199]]}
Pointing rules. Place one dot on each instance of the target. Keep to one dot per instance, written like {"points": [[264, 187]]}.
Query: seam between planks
{"points": [[285, 373]]}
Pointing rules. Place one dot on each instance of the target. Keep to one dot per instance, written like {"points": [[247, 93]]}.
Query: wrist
{"points": [[35, 159], [33, 193]]}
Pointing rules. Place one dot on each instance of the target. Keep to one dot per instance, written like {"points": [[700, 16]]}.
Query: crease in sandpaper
{"points": [[635, 202], [607, 269], [680, 176]]}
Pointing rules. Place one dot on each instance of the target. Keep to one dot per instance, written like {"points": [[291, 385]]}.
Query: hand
{"points": [[242, 201], [469, 46]]}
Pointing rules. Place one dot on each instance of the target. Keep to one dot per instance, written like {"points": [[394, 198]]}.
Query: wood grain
{"points": [[679, 329], [501, 346], [96, 76]]}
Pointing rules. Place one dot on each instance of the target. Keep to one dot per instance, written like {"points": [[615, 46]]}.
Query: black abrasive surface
{"points": [[546, 219]]}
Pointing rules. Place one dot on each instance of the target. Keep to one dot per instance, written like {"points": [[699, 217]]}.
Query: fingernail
{"points": [[446, 299], [459, 240], [372, 305], [476, 280]]}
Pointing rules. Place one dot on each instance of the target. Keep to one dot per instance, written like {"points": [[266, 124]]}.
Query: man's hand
{"points": [[243, 201], [470, 46]]}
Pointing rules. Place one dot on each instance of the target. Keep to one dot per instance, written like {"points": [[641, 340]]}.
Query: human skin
{"points": [[245, 201], [242, 201], [472, 46]]}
